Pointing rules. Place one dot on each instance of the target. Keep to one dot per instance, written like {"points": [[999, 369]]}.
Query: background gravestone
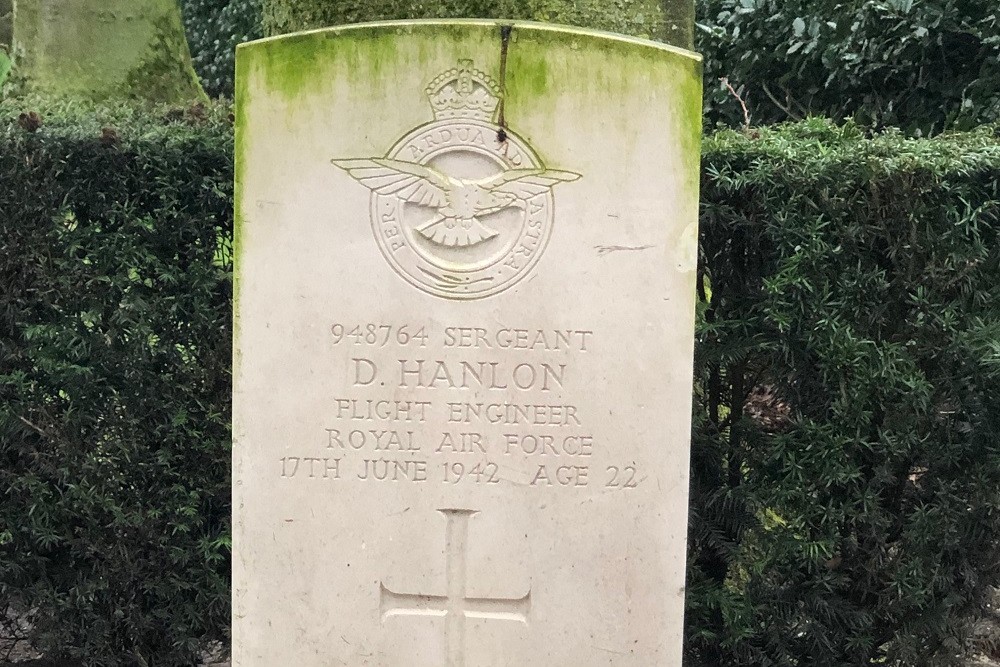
{"points": [[465, 272], [670, 21], [104, 49]]}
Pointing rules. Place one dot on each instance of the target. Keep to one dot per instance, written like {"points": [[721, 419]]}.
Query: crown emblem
{"points": [[464, 92]]}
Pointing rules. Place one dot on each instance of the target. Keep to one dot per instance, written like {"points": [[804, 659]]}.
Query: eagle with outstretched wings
{"points": [[459, 203]]}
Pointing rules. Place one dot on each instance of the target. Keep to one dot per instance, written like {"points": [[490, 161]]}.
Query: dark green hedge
{"points": [[923, 65], [214, 29], [115, 285], [846, 470], [846, 455]]}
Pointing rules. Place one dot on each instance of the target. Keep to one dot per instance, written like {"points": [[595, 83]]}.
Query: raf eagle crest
{"points": [[460, 203], [461, 208]]}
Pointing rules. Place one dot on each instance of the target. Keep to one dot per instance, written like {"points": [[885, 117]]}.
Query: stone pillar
{"points": [[670, 21], [678, 23], [103, 49]]}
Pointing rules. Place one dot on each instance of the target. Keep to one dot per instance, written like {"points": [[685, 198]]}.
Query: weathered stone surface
{"points": [[104, 49], [466, 261], [670, 21]]}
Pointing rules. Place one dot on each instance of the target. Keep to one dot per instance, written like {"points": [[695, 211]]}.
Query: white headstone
{"points": [[463, 360]]}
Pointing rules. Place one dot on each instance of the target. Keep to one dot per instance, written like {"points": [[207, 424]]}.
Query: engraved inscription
{"points": [[421, 409], [455, 606]]}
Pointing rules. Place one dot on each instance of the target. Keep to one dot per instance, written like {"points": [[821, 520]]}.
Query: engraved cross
{"points": [[456, 606]]}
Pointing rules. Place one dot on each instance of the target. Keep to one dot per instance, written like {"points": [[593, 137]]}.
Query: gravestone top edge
{"points": [[554, 29]]}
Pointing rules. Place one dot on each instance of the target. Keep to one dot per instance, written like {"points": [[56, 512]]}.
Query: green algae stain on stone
{"points": [[547, 65], [689, 108], [246, 76], [290, 66], [543, 62], [299, 63]]}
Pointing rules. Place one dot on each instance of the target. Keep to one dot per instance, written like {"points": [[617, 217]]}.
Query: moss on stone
{"points": [[670, 21], [104, 49], [241, 97], [300, 62], [544, 62], [549, 69]]}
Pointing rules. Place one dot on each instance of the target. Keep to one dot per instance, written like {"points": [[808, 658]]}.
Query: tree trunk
{"points": [[671, 21], [6, 37], [6, 23], [103, 49], [678, 23]]}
